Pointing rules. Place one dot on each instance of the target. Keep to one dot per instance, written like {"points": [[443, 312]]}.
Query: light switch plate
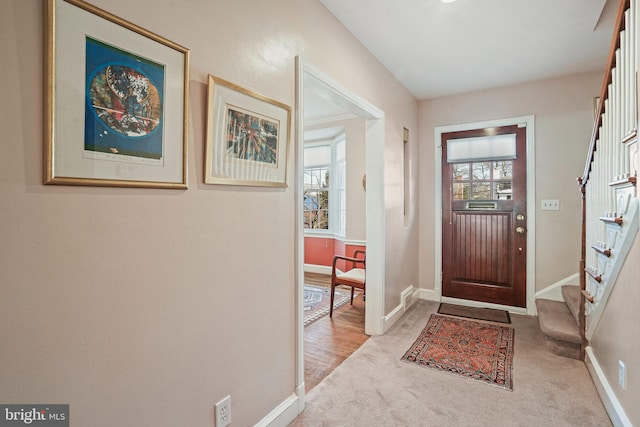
{"points": [[550, 205]]}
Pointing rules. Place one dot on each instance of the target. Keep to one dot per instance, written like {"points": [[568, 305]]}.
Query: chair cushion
{"points": [[356, 275]]}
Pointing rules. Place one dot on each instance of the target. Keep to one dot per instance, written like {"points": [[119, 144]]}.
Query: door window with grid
{"points": [[482, 180]]}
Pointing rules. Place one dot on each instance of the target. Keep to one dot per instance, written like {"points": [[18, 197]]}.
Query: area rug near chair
{"points": [[317, 300], [466, 348]]}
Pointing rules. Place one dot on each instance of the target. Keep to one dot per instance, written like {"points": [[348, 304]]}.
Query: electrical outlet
{"points": [[550, 205], [223, 412], [622, 374]]}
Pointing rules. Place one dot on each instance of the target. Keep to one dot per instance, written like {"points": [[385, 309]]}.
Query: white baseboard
{"points": [[432, 295], [282, 415], [301, 397], [428, 294], [607, 396], [470, 303], [554, 291], [391, 318], [319, 269], [408, 297]]}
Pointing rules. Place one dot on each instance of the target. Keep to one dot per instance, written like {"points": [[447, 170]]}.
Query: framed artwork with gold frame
{"points": [[247, 137], [116, 102]]}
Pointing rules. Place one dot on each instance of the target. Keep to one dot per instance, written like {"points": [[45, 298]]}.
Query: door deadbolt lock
{"points": [[520, 217], [520, 230]]}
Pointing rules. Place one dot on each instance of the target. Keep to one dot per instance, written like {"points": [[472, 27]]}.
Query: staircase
{"points": [[559, 323], [610, 205]]}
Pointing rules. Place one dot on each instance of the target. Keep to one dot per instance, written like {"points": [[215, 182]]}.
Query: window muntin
{"points": [[482, 180]]}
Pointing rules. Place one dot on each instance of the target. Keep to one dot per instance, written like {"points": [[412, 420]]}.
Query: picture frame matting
{"points": [[247, 137], [116, 101]]}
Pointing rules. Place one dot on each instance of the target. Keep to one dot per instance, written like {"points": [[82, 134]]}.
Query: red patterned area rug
{"points": [[317, 300], [466, 348]]}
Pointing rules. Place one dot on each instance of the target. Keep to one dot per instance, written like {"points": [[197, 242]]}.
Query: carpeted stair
{"points": [[559, 323]]}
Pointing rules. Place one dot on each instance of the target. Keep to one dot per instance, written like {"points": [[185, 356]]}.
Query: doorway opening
{"points": [[484, 199], [477, 207], [341, 103]]}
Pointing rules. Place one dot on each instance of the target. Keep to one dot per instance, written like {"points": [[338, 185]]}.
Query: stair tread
{"points": [[571, 295], [557, 321]]}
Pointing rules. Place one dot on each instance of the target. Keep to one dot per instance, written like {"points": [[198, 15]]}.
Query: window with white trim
{"points": [[324, 206], [341, 191]]}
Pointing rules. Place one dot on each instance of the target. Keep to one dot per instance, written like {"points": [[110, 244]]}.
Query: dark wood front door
{"points": [[484, 239]]}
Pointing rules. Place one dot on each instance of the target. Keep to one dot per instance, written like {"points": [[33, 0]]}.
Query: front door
{"points": [[484, 240]]}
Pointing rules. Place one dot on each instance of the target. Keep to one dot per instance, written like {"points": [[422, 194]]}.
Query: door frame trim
{"points": [[529, 122], [308, 77]]}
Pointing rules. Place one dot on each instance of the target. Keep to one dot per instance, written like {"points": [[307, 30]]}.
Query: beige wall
{"points": [[401, 257], [563, 110], [145, 307], [356, 196], [616, 337]]}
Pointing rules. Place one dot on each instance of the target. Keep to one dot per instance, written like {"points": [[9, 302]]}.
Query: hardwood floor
{"points": [[329, 341]]}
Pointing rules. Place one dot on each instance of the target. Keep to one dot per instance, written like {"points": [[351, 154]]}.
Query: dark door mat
{"points": [[477, 313]]}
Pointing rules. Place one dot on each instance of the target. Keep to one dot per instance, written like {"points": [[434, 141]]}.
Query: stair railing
{"points": [[609, 165]]}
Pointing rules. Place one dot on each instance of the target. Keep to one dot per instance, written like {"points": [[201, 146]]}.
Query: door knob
{"points": [[520, 230]]}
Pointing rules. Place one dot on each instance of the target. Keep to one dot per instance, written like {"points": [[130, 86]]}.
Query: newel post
{"points": [[582, 321]]}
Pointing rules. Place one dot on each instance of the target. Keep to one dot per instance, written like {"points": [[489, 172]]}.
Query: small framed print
{"points": [[247, 137]]}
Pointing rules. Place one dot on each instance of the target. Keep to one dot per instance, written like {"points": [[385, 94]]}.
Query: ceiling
{"points": [[436, 49], [320, 109]]}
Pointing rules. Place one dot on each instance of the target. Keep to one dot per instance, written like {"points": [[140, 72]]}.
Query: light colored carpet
{"points": [[373, 387]]}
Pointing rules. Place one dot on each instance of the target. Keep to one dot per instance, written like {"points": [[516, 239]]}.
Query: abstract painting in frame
{"points": [[247, 137], [116, 101]]}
